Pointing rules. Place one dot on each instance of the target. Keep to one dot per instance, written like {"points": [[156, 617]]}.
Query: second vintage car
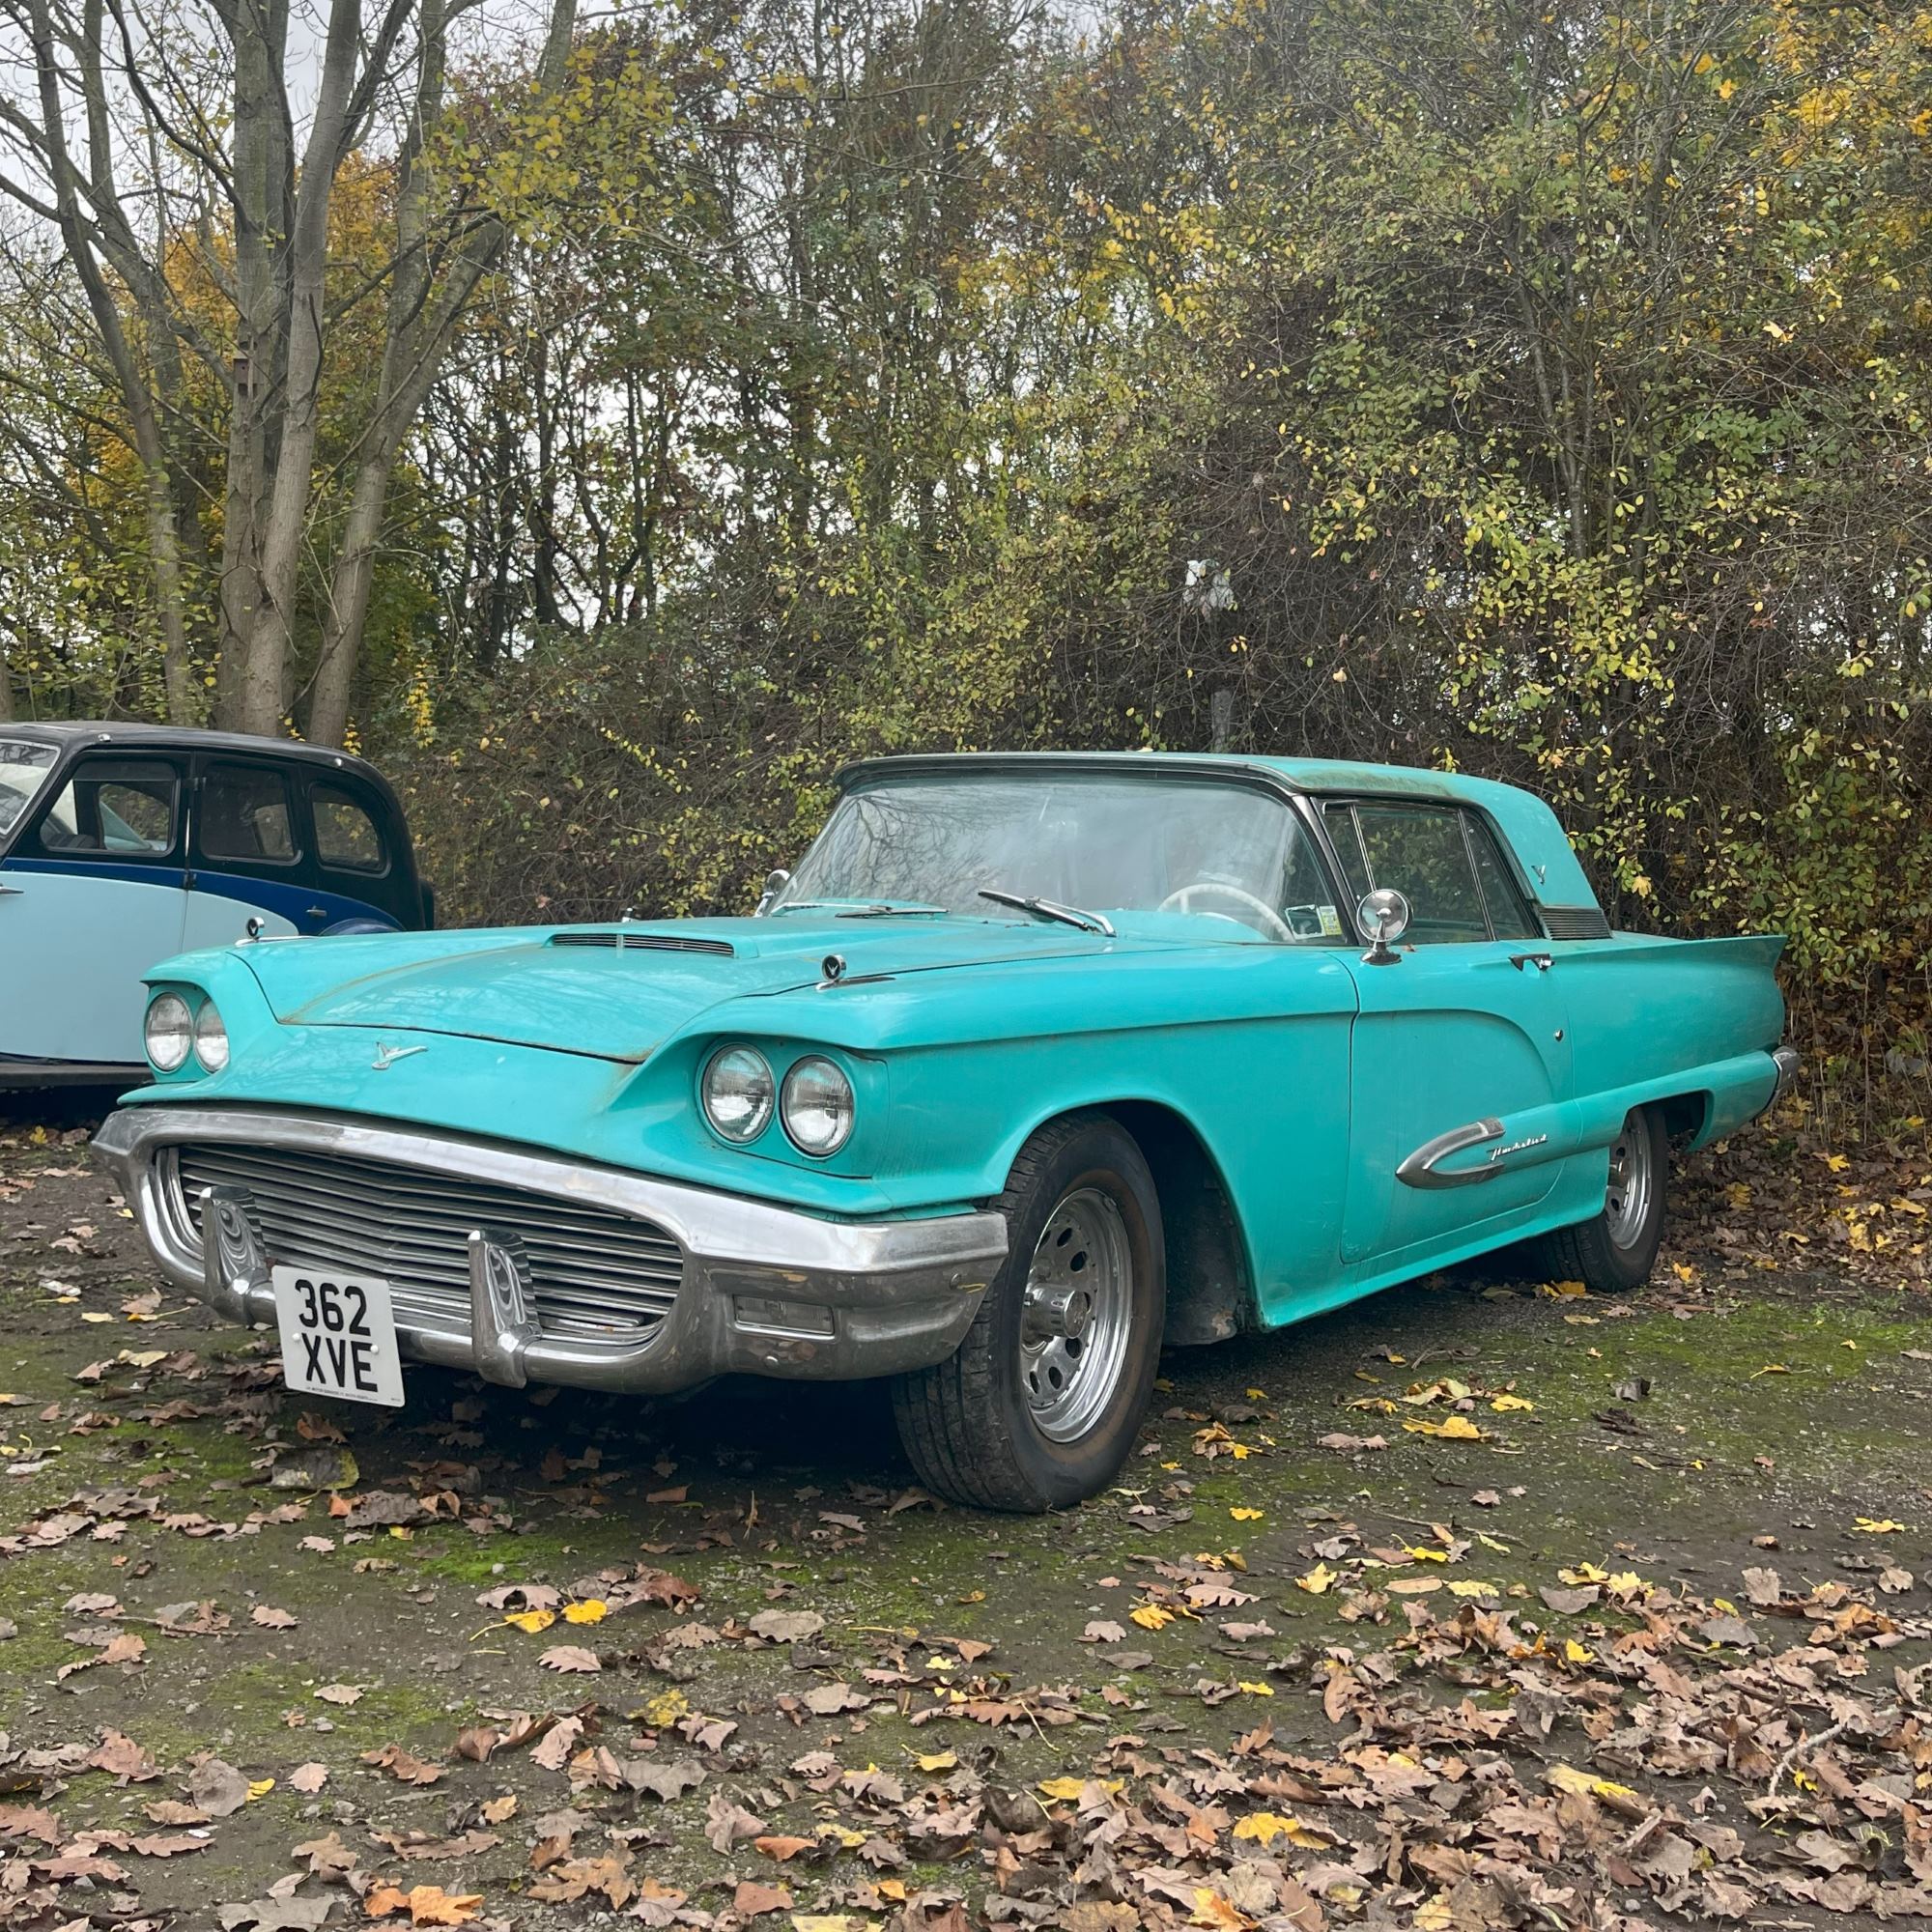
{"points": [[123, 844], [1034, 1064]]}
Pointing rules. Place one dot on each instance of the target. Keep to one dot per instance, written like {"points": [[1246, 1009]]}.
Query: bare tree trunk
{"points": [[416, 341], [258, 195], [264, 688]]}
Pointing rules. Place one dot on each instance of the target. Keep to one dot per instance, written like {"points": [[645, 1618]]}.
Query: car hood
{"points": [[618, 992]]}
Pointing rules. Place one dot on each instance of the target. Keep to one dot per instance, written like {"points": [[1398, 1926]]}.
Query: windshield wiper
{"points": [[862, 908], [1086, 921]]}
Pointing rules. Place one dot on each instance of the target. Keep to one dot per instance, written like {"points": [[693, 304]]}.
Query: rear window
{"points": [[244, 815], [346, 837]]}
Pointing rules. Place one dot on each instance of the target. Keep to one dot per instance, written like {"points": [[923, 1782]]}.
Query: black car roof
{"points": [[71, 734]]}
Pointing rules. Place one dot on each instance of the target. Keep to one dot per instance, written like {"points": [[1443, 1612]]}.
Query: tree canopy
{"points": [[1540, 389]]}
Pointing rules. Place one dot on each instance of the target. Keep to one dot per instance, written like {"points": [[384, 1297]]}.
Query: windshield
{"points": [[23, 769], [1101, 842]]}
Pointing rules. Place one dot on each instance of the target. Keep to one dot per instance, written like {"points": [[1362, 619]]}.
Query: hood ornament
{"points": [[386, 1054]]}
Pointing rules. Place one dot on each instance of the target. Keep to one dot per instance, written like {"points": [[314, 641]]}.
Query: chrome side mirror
{"points": [[1383, 915], [776, 881]]}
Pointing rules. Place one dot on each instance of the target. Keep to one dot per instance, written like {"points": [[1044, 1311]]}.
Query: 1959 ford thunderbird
{"points": [[1033, 1064]]}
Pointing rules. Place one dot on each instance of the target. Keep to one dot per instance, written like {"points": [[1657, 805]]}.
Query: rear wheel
{"points": [[1040, 1404], [1616, 1248]]}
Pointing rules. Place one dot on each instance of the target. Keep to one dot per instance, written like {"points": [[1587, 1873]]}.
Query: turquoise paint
{"points": [[1307, 1074]]}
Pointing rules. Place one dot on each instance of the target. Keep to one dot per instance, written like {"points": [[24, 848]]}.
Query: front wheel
{"points": [[1615, 1250], [1040, 1404]]}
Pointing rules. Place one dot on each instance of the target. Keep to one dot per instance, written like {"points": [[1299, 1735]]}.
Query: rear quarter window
{"points": [[346, 836]]}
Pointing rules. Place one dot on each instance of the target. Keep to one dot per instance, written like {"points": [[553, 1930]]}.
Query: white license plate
{"points": [[338, 1335]]}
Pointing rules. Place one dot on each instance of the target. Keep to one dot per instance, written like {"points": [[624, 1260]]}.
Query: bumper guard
{"points": [[766, 1289]]}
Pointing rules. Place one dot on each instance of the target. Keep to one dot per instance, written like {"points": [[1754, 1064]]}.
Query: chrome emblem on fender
{"points": [[386, 1054]]}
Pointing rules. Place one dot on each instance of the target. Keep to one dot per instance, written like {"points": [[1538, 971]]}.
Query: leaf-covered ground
{"points": [[1475, 1605]]}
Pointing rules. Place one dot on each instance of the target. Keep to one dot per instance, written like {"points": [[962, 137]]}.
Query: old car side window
{"points": [[1421, 852], [111, 809], [1340, 821], [346, 838], [1510, 916], [23, 769], [1307, 905], [245, 816]]}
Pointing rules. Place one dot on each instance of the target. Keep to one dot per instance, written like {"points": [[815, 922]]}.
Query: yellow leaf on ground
{"points": [[1255, 1690], [260, 1787], [1241, 1514], [1316, 1581], [592, 1610], [532, 1621], [665, 1707], [1456, 1428], [938, 1761], [1504, 1404], [1877, 1525], [1151, 1617], [1586, 1784]]}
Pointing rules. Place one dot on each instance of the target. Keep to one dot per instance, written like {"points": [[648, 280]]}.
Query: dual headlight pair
{"points": [[172, 1033], [814, 1105]]}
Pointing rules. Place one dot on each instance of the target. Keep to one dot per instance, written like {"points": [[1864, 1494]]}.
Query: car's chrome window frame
{"points": [[1348, 802], [1302, 821]]}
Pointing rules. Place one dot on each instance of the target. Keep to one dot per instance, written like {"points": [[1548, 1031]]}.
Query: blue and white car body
{"points": [[124, 844]]}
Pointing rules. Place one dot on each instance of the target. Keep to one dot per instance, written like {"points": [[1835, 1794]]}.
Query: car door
{"points": [[247, 857], [1460, 1068], [90, 897]]}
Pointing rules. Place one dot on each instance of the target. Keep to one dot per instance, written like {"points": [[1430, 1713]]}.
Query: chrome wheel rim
{"points": [[1632, 1181], [1076, 1314]]}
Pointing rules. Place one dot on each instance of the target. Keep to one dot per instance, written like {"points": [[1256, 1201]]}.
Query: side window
{"points": [[1305, 906], [1421, 852], [346, 838], [114, 809], [245, 816], [1510, 916], [1340, 820]]}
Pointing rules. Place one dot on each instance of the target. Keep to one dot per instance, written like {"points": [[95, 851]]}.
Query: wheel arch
{"points": [[1211, 1284], [1685, 1116]]}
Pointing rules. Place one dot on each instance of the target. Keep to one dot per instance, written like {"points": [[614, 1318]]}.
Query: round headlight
{"points": [[169, 1032], [211, 1039], [816, 1107], [738, 1091]]}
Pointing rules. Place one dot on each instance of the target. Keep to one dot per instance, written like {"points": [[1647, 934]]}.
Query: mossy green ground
{"points": [[1663, 1433]]}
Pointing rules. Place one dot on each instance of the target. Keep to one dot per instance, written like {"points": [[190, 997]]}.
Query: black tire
{"points": [[1612, 1252], [968, 1424]]}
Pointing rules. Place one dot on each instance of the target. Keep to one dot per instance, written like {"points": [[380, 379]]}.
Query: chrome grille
{"points": [[648, 942], [594, 1273]]}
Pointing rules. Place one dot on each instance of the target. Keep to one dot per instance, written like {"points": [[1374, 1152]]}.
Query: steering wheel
{"points": [[1181, 900]]}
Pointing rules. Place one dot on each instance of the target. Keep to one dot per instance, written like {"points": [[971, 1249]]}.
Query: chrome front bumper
{"points": [[765, 1290]]}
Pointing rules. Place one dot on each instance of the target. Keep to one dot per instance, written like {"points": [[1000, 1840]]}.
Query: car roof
{"points": [[1540, 844], [72, 734]]}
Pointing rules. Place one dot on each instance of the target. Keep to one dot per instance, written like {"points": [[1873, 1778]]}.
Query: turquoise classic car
{"points": [[1033, 1065]]}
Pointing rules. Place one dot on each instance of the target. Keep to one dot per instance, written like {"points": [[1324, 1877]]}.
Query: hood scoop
{"points": [[647, 942]]}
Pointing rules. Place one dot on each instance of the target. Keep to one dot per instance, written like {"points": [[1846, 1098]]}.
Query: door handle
{"points": [[317, 912], [12, 891], [1542, 961]]}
